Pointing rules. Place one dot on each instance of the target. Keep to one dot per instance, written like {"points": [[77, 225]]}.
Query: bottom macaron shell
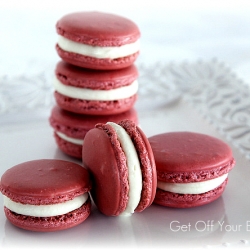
{"points": [[68, 147], [169, 199], [95, 107], [49, 224], [96, 63]]}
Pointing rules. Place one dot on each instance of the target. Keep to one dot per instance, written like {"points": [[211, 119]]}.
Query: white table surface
{"points": [[173, 32]]}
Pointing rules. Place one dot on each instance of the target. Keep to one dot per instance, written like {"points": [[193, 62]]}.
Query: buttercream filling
{"points": [[192, 188], [45, 210], [134, 169], [69, 139], [98, 95], [111, 52]]}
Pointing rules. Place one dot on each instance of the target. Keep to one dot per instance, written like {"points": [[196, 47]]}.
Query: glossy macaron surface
{"points": [[98, 28], [189, 156], [45, 181], [107, 164]]}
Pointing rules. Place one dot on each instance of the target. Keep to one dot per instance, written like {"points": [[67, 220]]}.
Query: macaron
{"points": [[71, 128], [97, 40], [46, 195], [121, 164], [192, 168], [92, 92]]}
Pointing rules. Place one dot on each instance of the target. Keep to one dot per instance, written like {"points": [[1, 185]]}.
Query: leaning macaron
{"points": [[121, 163], [192, 168], [46, 195], [71, 128], [97, 40], [92, 92]]}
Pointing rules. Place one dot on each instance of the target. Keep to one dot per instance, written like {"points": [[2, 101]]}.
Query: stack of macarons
{"points": [[96, 78]]}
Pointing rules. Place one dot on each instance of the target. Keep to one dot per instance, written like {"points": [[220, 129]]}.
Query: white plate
{"points": [[202, 96]]}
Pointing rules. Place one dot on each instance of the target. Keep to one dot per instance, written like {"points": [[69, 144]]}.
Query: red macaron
{"points": [[97, 40], [192, 168], [46, 195], [92, 92], [71, 128], [121, 163]]}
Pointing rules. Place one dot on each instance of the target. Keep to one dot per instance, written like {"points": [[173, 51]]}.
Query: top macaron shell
{"points": [[92, 79], [183, 157], [92, 92], [97, 29], [43, 182]]}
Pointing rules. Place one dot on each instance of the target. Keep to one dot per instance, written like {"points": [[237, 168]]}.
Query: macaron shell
{"points": [[95, 79], [96, 63], [95, 107], [104, 158], [98, 28], [49, 224], [77, 125], [42, 182], [190, 157], [149, 174], [169, 199], [147, 163]]}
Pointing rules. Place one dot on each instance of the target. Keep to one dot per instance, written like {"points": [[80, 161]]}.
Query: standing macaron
{"points": [[192, 168], [92, 92], [46, 195], [71, 128], [121, 163], [97, 40]]}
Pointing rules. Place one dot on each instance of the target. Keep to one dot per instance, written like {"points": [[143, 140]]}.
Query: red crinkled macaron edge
{"points": [[147, 163], [53, 223]]}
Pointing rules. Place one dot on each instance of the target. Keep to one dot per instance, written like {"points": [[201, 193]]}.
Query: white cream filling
{"points": [[45, 210], [192, 188], [111, 52], [69, 139], [134, 169], [98, 95]]}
